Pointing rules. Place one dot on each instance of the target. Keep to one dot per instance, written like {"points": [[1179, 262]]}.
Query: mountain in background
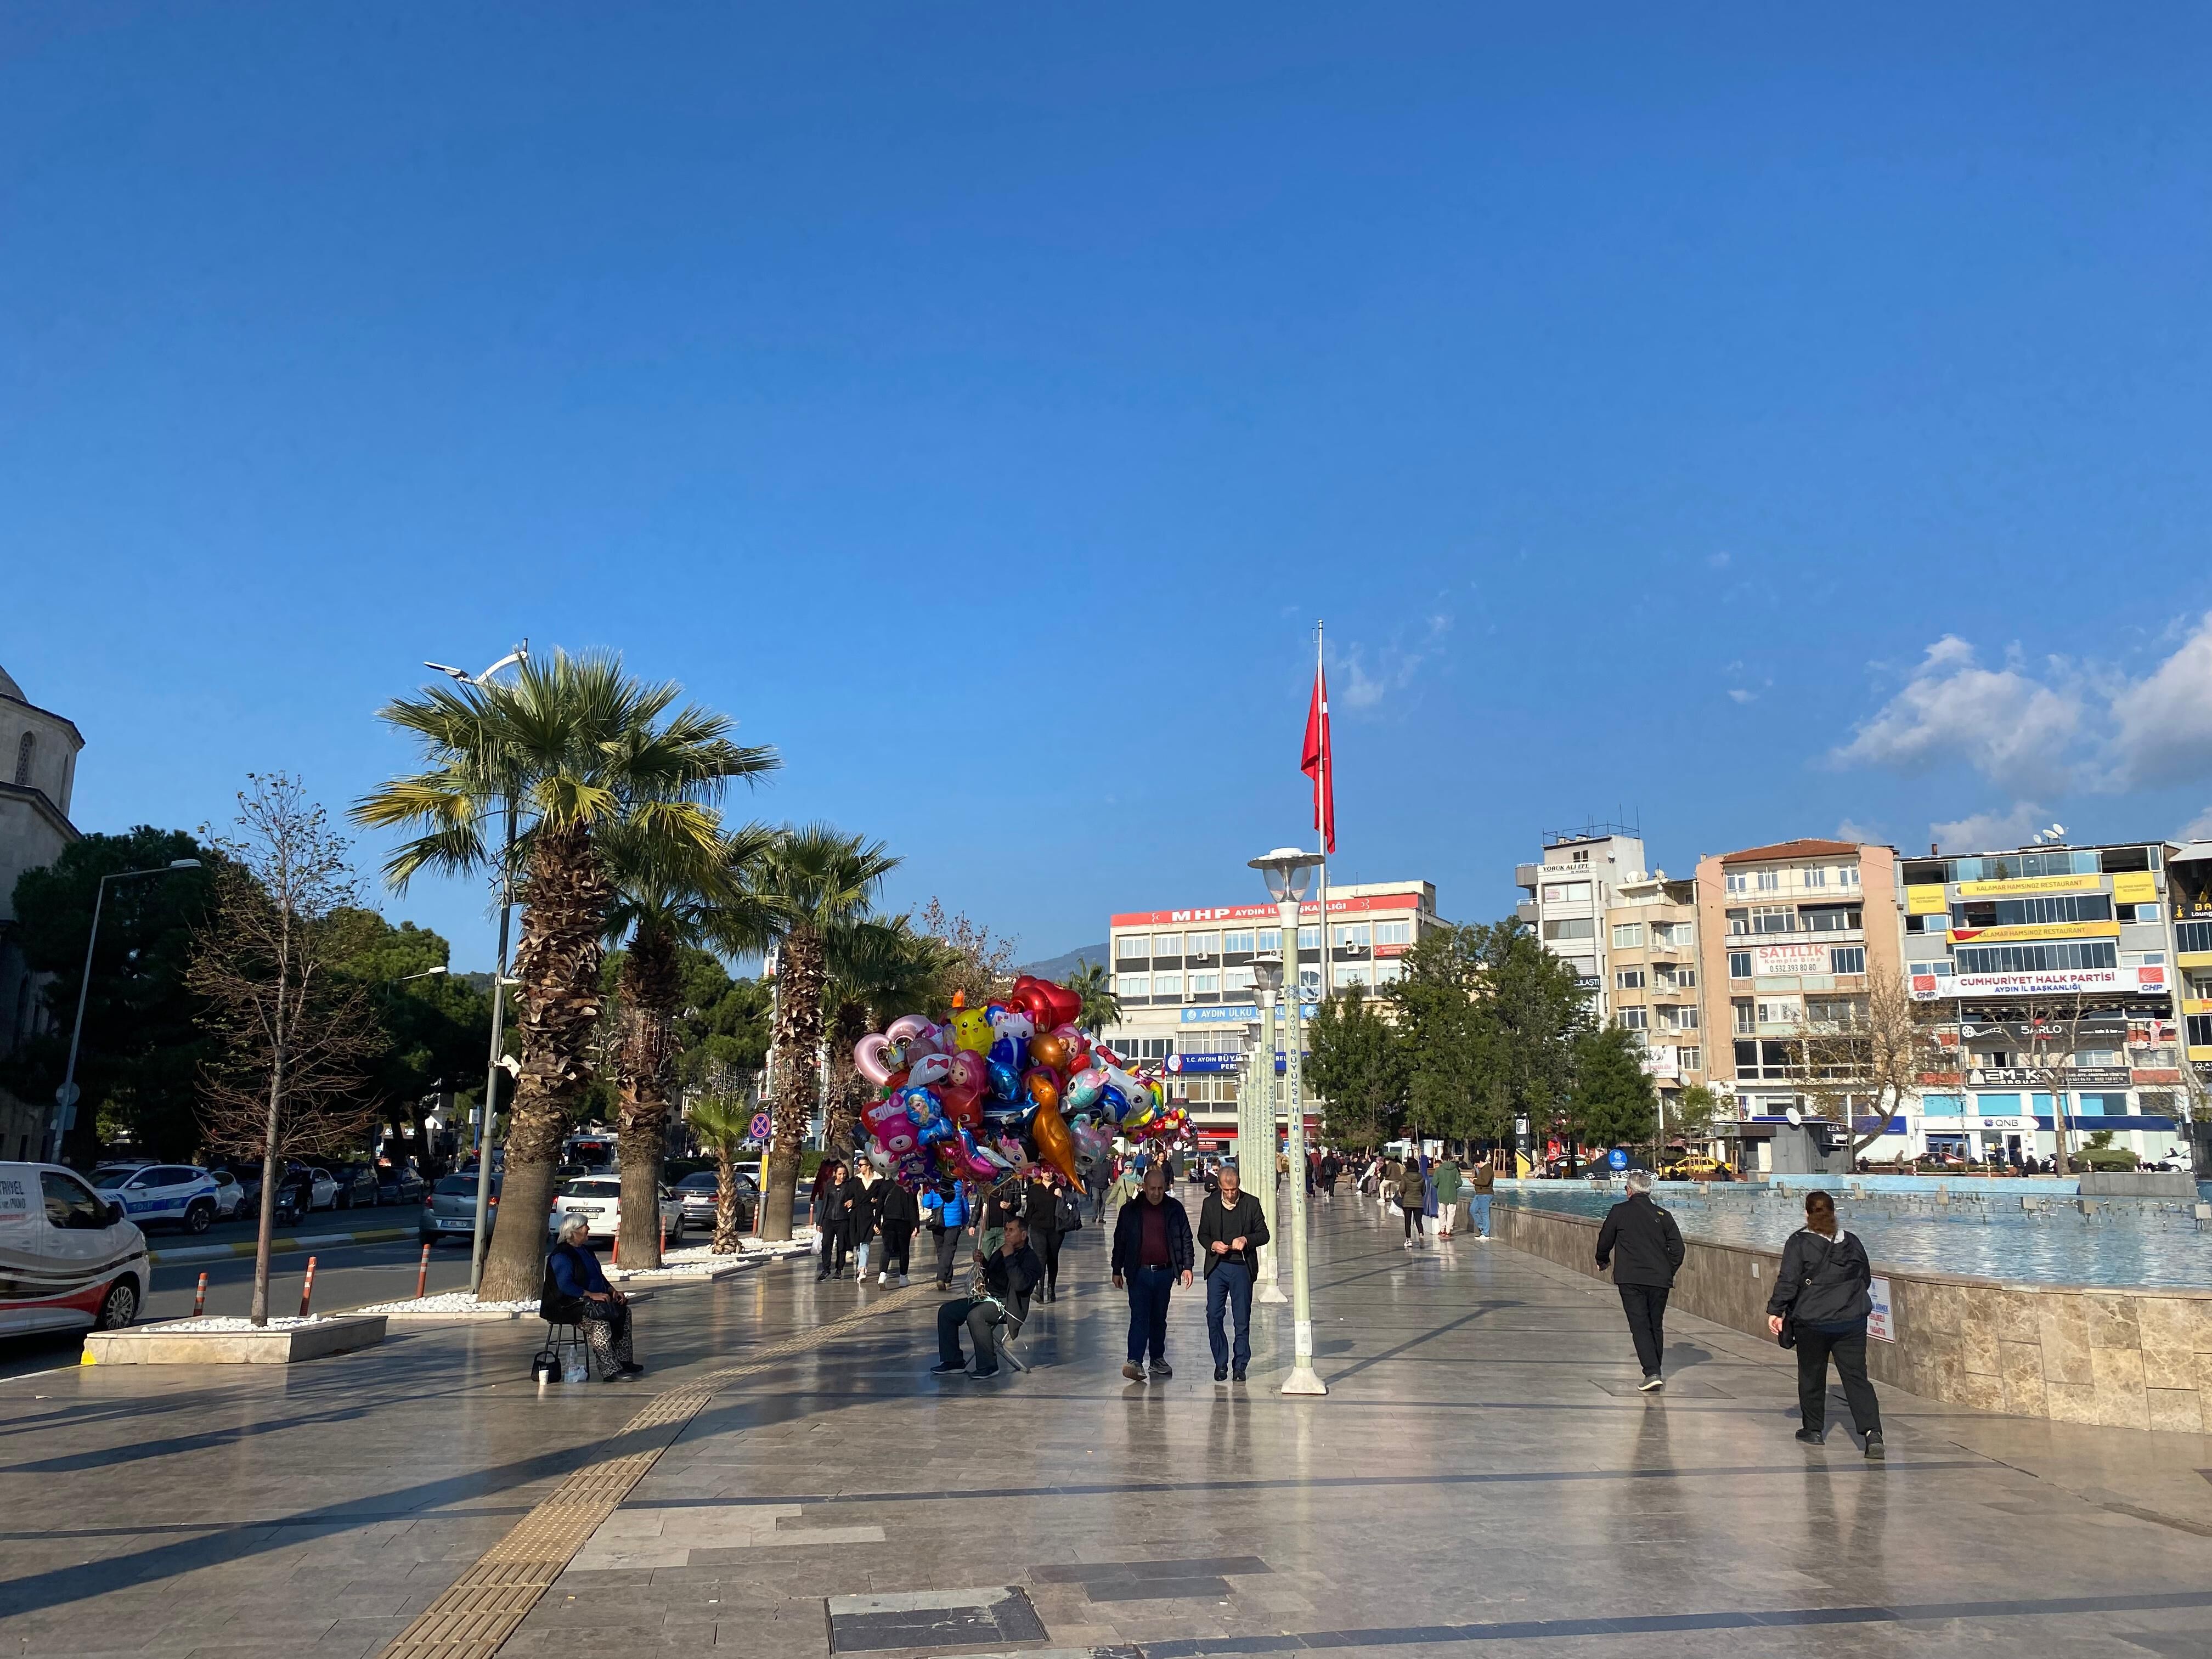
{"points": [[1057, 968]]}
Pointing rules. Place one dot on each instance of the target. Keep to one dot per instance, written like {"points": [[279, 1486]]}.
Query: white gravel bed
{"points": [[229, 1325], [449, 1301]]}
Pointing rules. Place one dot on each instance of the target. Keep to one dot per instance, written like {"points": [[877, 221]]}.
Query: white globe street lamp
{"points": [[1290, 873], [1267, 979]]}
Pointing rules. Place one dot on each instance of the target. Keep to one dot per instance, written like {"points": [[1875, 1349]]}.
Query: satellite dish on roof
{"points": [[1797, 1118]]}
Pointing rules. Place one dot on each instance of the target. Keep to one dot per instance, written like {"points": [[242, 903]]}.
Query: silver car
{"points": [[696, 1194], [449, 1209]]}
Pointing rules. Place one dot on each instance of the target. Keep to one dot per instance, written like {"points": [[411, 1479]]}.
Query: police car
{"points": [[164, 1194]]}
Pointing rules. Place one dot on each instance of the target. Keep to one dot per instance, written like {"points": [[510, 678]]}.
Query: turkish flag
{"points": [[1319, 762]]}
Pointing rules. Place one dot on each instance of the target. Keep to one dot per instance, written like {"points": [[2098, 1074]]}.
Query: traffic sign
{"points": [[761, 1126], [66, 1095], [1616, 1159]]}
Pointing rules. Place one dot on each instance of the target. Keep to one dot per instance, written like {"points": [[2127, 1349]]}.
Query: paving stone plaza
{"points": [[788, 1481]]}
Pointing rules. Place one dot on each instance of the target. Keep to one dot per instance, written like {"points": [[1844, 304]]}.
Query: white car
{"points": [[69, 1259], [167, 1194], [228, 1195], [323, 1189], [597, 1199]]}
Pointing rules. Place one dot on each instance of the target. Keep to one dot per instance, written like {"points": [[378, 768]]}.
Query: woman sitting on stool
{"points": [[575, 1274]]}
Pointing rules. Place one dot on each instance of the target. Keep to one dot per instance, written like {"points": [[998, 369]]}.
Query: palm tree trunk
{"points": [[645, 1062], [847, 1088], [725, 1203], [797, 1043], [565, 901]]}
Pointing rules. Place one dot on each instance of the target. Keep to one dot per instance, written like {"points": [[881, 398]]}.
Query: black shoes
{"points": [[947, 1368], [629, 1370], [1652, 1384], [1236, 1376], [1811, 1437], [1221, 1373], [1874, 1452]]}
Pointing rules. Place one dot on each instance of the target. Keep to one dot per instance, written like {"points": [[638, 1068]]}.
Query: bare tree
{"points": [[293, 1038], [979, 962], [2053, 1025], [1874, 1048]]}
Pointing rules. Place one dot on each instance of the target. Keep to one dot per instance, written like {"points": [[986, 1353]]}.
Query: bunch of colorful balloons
{"points": [[1006, 1088]]}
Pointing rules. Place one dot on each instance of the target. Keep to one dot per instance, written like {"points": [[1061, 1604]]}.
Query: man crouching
{"points": [[1009, 1274]]}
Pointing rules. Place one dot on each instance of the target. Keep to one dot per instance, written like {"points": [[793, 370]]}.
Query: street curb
{"points": [[289, 1242]]}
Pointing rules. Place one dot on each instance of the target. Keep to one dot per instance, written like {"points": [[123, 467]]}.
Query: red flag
{"points": [[1319, 762]]}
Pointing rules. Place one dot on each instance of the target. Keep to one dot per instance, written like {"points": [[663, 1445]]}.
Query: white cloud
{"points": [[1852, 830], [1361, 688], [1737, 694], [2163, 724], [1992, 831], [1716, 561], [2197, 828], [2012, 728]]}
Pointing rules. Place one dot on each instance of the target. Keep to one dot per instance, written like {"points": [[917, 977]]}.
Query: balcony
{"points": [[1526, 910]]}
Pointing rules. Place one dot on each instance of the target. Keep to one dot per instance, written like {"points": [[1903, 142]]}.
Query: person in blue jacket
{"points": [[572, 1273]]}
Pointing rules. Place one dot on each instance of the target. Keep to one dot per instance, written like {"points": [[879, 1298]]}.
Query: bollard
{"points": [[199, 1297], [307, 1289], [617, 1245], [423, 1274]]}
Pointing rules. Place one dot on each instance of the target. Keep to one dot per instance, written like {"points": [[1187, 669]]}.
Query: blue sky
{"points": [[1757, 424]]}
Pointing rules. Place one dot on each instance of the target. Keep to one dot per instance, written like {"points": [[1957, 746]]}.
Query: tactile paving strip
{"points": [[484, 1607]]}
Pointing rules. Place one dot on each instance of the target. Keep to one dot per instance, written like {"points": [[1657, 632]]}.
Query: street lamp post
{"points": [[1289, 872], [499, 984], [1268, 978], [65, 1096]]}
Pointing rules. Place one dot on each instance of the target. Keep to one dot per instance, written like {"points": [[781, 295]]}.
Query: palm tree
{"points": [[877, 970], [577, 749], [665, 897], [810, 883], [1101, 1007], [720, 1120]]}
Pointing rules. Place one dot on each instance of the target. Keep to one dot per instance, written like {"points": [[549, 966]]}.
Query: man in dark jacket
{"points": [[1010, 1273], [1231, 1231], [830, 1215], [1151, 1247], [1645, 1246], [898, 1215]]}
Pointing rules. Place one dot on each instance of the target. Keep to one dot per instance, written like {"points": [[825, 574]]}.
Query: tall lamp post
{"points": [[1289, 873], [499, 984], [65, 1096]]}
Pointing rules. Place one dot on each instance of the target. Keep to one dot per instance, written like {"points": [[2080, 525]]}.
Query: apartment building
{"points": [[2060, 969], [1567, 893], [1789, 934], [1652, 974]]}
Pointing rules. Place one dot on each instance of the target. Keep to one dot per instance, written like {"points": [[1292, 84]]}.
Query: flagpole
{"points": [[1303, 1379]]}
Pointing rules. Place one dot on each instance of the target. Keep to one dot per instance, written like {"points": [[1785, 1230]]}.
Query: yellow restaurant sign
{"points": [[2031, 885], [1925, 901], [2135, 887], [2037, 930]]}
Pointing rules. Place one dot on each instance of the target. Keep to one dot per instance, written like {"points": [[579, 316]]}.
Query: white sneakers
{"points": [[883, 1278]]}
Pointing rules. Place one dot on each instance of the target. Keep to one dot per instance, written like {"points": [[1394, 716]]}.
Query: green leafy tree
{"points": [[1101, 1007], [436, 1026], [1690, 1116], [1358, 1065], [138, 1065], [1612, 1102], [810, 882], [720, 1115], [580, 749]]}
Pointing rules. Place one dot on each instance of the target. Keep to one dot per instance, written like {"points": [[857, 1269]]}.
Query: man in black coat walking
{"points": [[1231, 1231], [1644, 1248]]}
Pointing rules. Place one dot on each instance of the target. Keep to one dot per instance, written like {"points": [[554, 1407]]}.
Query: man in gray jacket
{"points": [[1645, 1246]]}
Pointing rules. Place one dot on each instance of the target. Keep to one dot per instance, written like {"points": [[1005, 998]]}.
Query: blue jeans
{"points": [[1148, 1311], [1478, 1210], [1229, 1283]]}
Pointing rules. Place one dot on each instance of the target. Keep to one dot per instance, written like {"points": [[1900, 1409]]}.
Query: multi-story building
{"points": [[1567, 893], [1652, 974], [1185, 980], [2057, 967], [1789, 934]]}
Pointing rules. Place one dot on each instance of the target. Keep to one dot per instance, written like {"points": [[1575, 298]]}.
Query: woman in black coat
{"points": [[898, 1215], [1041, 1209], [1821, 1302]]}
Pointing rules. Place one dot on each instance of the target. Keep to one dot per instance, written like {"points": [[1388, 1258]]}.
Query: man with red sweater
{"points": [[1151, 1247]]}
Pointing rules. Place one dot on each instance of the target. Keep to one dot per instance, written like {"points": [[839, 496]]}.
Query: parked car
{"points": [[160, 1195], [449, 1209], [355, 1185], [597, 1199], [1697, 1167], [323, 1189], [402, 1184], [74, 1259], [695, 1193], [230, 1195]]}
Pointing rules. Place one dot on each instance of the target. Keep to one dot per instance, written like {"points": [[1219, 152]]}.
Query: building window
{"points": [[1835, 1013], [1204, 944], [23, 752], [1682, 1018], [1206, 983], [1387, 973], [1815, 877], [1687, 978], [1310, 984], [1570, 928], [1238, 979], [1782, 1011], [1627, 935], [1394, 933], [1353, 936], [1633, 1019], [1940, 969], [1269, 938], [1571, 892], [1739, 964], [1849, 874], [1133, 946], [1310, 938], [1351, 973], [1166, 945], [1133, 985], [1847, 958], [1628, 979], [1167, 985], [1831, 919], [1743, 1017], [1738, 884], [1237, 943], [1691, 1060], [2037, 912], [2200, 1030], [2054, 956], [1770, 881], [1676, 935]]}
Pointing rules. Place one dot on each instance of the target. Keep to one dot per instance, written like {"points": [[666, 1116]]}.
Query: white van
{"points": [[68, 1257]]}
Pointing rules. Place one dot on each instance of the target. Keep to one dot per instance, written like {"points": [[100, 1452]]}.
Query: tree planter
{"points": [[278, 1345]]}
